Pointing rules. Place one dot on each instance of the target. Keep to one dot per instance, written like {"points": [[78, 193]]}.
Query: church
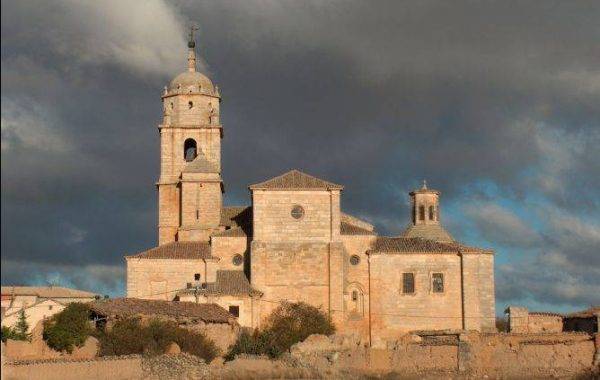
{"points": [[294, 242]]}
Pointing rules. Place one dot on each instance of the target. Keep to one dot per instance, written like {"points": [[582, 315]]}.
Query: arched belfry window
{"points": [[431, 213], [190, 151], [421, 212]]}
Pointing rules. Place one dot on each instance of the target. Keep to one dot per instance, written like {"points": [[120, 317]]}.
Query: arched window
{"points": [[355, 301], [431, 213], [421, 212], [189, 150]]}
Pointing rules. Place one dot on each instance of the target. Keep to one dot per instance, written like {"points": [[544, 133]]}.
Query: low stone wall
{"points": [[116, 368], [521, 320], [513, 355], [37, 349]]}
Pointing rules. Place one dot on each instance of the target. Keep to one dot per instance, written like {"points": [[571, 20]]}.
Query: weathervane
{"points": [[192, 42]]}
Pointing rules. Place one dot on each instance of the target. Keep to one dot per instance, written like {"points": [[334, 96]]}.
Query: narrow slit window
{"points": [[437, 282], [408, 283]]}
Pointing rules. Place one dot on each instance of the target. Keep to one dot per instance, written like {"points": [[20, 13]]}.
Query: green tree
{"points": [[21, 327], [69, 328]]}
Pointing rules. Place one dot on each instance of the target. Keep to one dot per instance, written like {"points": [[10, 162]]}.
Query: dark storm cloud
{"points": [[375, 96]]}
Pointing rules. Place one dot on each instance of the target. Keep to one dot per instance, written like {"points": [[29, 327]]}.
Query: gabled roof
{"points": [[46, 292], [177, 250], [418, 245], [206, 312], [228, 283], [428, 231], [200, 164], [295, 180]]}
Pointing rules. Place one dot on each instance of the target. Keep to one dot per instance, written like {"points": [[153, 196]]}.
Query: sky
{"points": [[496, 104]]}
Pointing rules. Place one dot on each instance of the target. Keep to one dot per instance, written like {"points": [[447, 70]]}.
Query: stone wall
{"points": [[225, 248], [473, 354], [290, 271], [117, 368], [162, 278], [273, 221], [521, 320], [394, 313]]}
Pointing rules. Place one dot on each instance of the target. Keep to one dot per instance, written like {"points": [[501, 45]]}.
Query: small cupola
{"points": [[425, 215], [425, 205]]}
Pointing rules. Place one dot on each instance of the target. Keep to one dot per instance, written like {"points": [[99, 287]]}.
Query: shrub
{"points": [[130, 336], [287, 325], [69, 328], [8, 333]]}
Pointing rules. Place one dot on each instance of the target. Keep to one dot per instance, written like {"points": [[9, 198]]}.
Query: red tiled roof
{"points": [[409, 245], [46, 292], [229, 282], [206, 312], [177, 250], [295, 180]]}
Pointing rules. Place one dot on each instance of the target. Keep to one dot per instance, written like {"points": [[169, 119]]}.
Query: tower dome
{"points": [[189, 79]]}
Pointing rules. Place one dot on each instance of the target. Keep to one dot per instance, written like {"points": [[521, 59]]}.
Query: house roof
{"points": [[177, 250], [200, 164], [295, 180], [587, 313], [416, 245], [47, 292], [350, 229], [35, 304], [428, 231], [228, 283], [236, 216], [207, 312]]}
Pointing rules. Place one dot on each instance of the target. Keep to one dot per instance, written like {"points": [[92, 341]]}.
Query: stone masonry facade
{"points": [[294, 242]]}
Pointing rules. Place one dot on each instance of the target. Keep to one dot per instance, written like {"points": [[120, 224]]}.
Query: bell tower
{"points": [[190, 187], [425, 215], [425, 205]]}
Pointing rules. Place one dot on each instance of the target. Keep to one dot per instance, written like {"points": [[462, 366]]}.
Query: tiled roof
{"points": [[236, 216], [428, 231], [588, 313], [545, 313], [407, 245], [207, 312], [295, 180], [228, 283], [356, 221], [177, 250], [232, 232], [350, 229], [401, 245], [47, 292], [200, 164]]}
